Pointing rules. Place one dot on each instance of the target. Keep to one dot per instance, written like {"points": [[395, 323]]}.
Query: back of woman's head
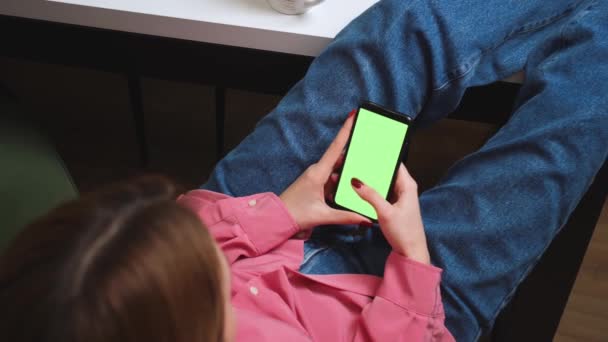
{"points": [[124, 264]]}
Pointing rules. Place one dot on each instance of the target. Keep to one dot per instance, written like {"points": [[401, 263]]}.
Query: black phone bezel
{"points": [[378, 109]]}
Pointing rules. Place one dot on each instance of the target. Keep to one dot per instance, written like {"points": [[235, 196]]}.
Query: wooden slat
{"points": [[586, 315]]}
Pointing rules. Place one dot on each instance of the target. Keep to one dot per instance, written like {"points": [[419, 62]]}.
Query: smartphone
{"points": [[378, 142]]}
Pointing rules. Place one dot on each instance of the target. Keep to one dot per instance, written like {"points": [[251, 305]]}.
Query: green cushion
{"points": [[33, 178]]}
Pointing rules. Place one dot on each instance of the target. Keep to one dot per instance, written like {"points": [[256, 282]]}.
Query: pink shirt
{"points": [[275, 302]]}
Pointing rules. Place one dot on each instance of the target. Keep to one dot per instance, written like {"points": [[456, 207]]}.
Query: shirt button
{"points": [[254, 290], [252, 203]]}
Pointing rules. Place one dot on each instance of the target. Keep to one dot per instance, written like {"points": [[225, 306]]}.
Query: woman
{"points": [[130, 264], [495, 212]]}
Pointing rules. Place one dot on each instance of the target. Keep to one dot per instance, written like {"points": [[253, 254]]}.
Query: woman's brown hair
{"points": [[124, 264]]}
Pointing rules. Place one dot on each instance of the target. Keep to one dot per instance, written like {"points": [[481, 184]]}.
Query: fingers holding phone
{"points": [[305, 198], [332, 182], [377, 140], [364, 175], [376, 145], [401, 221]]}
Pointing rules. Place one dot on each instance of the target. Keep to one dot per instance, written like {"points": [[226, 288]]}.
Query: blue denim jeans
{"points": [[491, 217]]}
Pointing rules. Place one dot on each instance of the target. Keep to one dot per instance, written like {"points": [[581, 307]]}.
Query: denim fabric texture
{"points": [[491, 217]]}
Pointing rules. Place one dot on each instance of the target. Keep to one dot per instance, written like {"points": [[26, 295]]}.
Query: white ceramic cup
{"points": [[293, 6]]}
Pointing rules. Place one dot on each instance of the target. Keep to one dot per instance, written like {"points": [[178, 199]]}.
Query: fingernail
{"points": [[366, 224], [356, 183], [353, 112]]}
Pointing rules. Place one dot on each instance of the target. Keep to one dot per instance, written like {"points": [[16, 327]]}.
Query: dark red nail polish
{"points": [[366, 224], [356, 183], [353, 112]]}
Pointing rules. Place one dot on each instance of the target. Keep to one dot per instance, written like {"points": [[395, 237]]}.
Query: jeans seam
{"points": [[524, 29], [311, 255], [576, 19]]}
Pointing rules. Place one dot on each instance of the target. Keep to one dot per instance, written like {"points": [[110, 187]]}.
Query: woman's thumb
{"points": [[370, 195]]}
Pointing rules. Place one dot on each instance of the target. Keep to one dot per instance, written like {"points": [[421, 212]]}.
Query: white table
{"points": [[242, 23]]}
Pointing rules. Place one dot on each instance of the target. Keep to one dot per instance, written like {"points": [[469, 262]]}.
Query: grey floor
{"points": [[87, 115]]}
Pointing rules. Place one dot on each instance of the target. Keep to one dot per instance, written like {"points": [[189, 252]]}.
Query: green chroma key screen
{"points": [[372, 155]]}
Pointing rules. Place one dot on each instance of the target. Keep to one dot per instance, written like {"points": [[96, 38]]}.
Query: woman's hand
{"points": [[305, 198], [400, 221]]}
